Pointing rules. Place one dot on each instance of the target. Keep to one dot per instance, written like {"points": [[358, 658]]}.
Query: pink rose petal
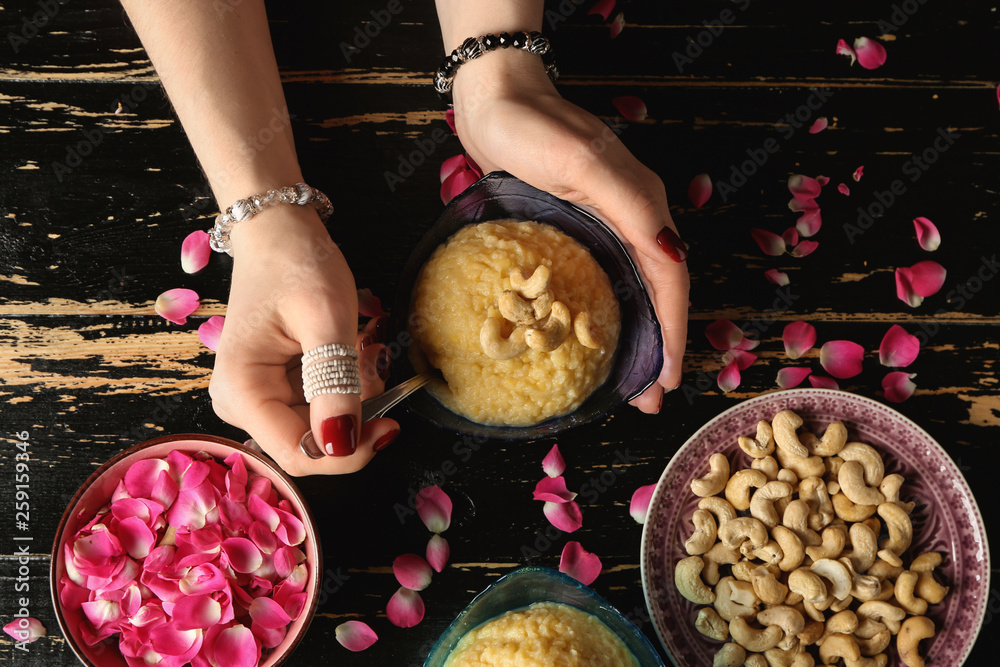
{"points": [[638, 507], [169, 640], [927, 234], [412, 572], [841, 358], [195, 252], [791, 236], [858, 173], [242, 554], [553, 489], [192, 506], [268, 613], [729, 377], [823, 382], [723, 335], [369, 305], [898, 386], [192, 612], [792, 376], [804, 187], [451, 165], [210, 331], [819, 125], [898, 348], [804, 248], [236, 646], [567, 517], [769, 242], [823, 180], [700, 190], [355, 635], [809, 222], [434, 507], [602, 8], [204, 578], [457, 183], [176, 304], [777, 277], [871, 54], [579, 563], [405, 608], [141, 477], [927, 277], [25, 629], [747, 343], [136, 537], [742, 358], [844, 190], [904, 288], [802, 203], [449, 118], [617, 25], [631, 107], [553, 464], [844, 50], [438, 552], [798, 337]]}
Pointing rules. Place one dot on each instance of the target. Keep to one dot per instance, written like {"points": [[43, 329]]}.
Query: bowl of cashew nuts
{"points": [[638, 354], [814, 527]]}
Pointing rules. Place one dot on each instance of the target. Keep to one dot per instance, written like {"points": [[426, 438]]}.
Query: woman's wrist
{"points": [[502, 73]]}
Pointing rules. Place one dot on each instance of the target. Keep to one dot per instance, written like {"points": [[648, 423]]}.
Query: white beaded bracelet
{"points": [[244, 209]]}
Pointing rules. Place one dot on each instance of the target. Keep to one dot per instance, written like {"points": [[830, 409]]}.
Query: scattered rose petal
{"points": [[553, 489], [798, 337], [176, 304], [809, 222], [777, 277], [210, 331], [742, 358], [823, 382], [904, 288], [823, 180], [579, 563], [631, 107], [871, 54], [898, 386], [804, 187], [804, 248], [136, 537], [844, 49], [412, 572], [602, 8], [438, 552], [790, 236], [456, 184], [553, 464], [747, 343], [369, 305], [844, 190], [920, 280], [195, 252], [639, 505], [723, 335], [192, 612], [858, 173], [238, 645], [567, 517], [729, 377], [819, 125], [769, 242], [25, 629], [451, 165], [355, 635], [242, 554], [449, 118], [700, 190], [841, 358], [434, 507], [899, 348], [927, 234], [405, 608], [617, 25], [792, 376]]}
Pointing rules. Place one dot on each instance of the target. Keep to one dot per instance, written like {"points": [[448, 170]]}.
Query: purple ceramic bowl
{"points": [[946, 517], [97, 490]]}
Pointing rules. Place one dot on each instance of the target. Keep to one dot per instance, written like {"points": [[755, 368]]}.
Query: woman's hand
{"points": [[510, 117], [292, 290]]}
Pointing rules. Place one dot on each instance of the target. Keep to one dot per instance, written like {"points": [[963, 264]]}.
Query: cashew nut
{"points": [[533, 286], [900, 528], [906, 584], [842, 623], [788, 619], [715, 480], [812, 632], [757, 640], [813, 491], [890, 489], [868, 457], [784, 424], [755, 660], [515, 309], [852, 479], [761, 445], [809, 585], [834, 572], [766, 465], [908, 642], [720, 507], [848, 511], [891, 558], [553, 333], [715, 556], [796, 518], [770, 553], [767, 587], [590, 335], [495, 345], [927, 587], [787, 476], [879, 610], [875, 644], [541, 305], [839, 646], [730, 655], [762, 503], [743, 570], [880, 660], [863, 586], [687, 578], [834, 439], [837, 606], [704, 533], [738, 487], [802, 466], [864, 545], [834, 539], [735, 598], [743, 529], [791, 548], [710, 624], [793, 657]]}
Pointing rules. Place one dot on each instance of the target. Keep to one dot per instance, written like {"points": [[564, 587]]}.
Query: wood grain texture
{"points": [[94, 205]]}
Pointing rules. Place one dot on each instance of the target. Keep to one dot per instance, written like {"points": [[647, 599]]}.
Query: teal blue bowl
{"points": [[531, 584]]}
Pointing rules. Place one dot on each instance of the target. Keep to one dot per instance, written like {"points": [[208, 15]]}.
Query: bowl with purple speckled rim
{"points": [[945, 518]]}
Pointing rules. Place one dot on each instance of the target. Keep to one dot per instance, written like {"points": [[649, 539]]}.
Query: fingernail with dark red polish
{"points": [[340, 435], [385, 440], [672, 245], [382, 364]]}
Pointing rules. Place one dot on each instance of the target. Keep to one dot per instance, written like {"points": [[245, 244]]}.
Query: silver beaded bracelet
{"points": [[244, 209], [473, 47]]}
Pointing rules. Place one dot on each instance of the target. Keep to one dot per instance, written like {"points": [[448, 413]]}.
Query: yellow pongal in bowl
{"points": [[520, 319], [542, 635]]}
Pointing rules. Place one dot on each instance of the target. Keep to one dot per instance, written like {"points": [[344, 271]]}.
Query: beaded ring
{"points": [[473, 47], [330, 369]]}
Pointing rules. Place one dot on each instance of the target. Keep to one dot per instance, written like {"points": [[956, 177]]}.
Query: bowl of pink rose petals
{"points": [[186, 549]]}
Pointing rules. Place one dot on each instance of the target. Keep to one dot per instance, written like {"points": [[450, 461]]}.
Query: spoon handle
{"points": [[379, 405]]}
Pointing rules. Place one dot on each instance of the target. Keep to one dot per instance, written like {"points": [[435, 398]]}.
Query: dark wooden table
{"points": [[93, 207]]}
